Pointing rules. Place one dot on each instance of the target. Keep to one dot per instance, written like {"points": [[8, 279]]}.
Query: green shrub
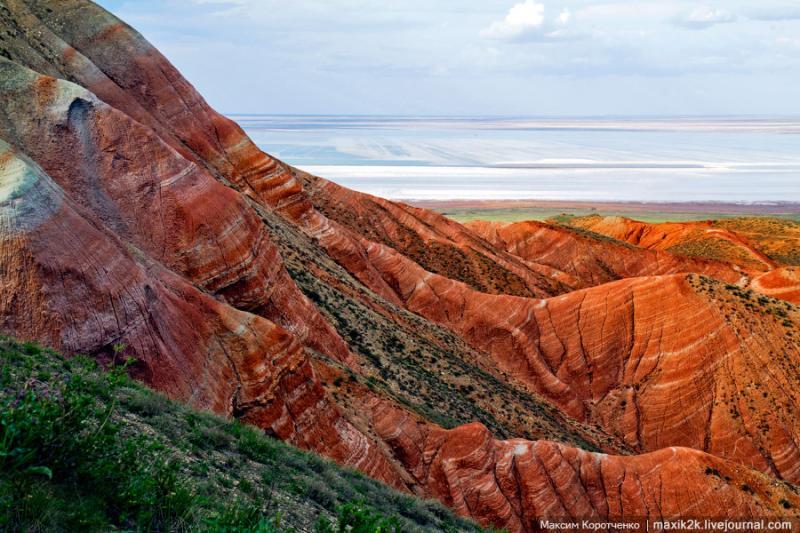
{"points": [[243, 517], [148, 405], [62, 430], [357, 517], [319, 492], [254, 445], [87, 450]]}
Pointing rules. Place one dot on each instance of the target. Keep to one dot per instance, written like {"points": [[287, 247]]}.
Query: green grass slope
{"points": [[86, 450]]}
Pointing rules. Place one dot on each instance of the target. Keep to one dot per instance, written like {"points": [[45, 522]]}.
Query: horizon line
{"points": [[535, 117]]}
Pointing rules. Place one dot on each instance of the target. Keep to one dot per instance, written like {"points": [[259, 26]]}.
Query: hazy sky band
{"points": [[473, 57]]}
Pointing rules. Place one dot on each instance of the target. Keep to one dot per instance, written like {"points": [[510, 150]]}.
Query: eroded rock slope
{"points": [[134, 217]]}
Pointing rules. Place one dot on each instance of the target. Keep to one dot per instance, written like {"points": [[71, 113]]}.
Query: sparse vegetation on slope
{"points": [[86, 450], [779, 239], [453, 253], [421, 365], [750, 242], [715, 249]]}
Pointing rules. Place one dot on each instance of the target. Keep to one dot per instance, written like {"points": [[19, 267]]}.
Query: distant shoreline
{"points": [[515, 210], [771, 208], [616, 162]]}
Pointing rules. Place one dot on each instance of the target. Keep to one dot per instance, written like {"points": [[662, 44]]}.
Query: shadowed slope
{"points": [[436, 243], [124, 457]]}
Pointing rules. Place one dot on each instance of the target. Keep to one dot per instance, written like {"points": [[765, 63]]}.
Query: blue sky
{"points": [[481, 57]]}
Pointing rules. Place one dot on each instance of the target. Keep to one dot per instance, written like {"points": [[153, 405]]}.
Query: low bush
{"points": [[82, 449]]}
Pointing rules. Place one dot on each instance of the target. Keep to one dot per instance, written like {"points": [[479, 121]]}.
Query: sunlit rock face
{"points": [[516, 483], [137, 222], [151, 196], [71, 283], [592, 260]]}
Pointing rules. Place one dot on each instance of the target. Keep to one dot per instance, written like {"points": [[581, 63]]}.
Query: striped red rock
{"points": [[768, 276], [729, 245], [70, 283], [152, 197], [783, 283], [131, 213], [514, 484], [436, 243], [594, 261], [659, 361]]}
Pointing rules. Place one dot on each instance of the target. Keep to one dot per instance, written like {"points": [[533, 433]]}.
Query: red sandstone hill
{"points": [[589, 257], [703, 239], [584, 351], [550, 375], [437, 244], [767, 248]]}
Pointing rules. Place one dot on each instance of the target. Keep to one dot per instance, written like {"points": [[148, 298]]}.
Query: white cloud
{"points": [[703, 17], [421, 56], [523, 19]]}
